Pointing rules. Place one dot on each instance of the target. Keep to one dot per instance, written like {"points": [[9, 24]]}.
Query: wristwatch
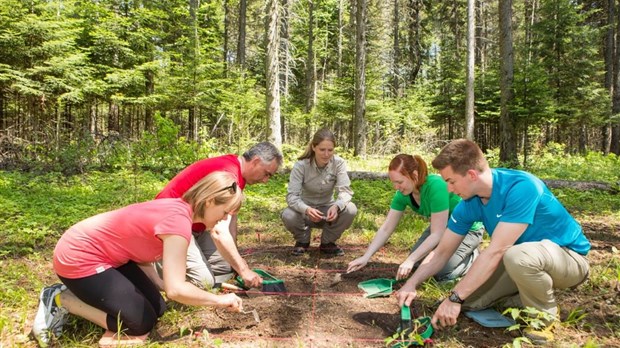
{"points": [[454, 297]]}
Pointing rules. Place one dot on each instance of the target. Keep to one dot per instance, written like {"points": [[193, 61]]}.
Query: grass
{"points": [[36, 209]]}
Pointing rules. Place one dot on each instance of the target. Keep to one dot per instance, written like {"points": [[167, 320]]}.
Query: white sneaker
{"points": [[50, 318]]}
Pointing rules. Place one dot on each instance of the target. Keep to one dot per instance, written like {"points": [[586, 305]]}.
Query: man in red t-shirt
{"points": [[212, 256]]}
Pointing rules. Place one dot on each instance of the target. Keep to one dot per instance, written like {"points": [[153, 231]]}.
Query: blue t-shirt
{"points": [[520, 197]]}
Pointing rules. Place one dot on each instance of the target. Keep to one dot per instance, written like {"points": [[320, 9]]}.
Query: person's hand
{"points": [[357, 264], [446, 314], [404, 269], [231, 302], [406, 295], [251, 279], [314, 215], [332, 213]]}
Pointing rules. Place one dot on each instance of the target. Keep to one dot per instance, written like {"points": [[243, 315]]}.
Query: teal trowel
{"points": [[377, 287]]}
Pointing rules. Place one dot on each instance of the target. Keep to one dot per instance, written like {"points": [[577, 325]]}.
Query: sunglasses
{"points": [[232, 188]]}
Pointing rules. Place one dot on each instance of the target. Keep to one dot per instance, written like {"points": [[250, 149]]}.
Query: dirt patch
{"points": [[325, 308]]}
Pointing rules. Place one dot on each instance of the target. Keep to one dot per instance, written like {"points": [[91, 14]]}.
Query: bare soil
{"points": [[324, 307]]}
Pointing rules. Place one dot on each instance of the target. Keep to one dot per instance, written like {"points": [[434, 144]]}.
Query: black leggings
{"points": [[126, 294]]}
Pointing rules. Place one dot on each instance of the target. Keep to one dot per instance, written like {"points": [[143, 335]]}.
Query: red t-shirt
{"points": [[193, 173], [112, 239]]}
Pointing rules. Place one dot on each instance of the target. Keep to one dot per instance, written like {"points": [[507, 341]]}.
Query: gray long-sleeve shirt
{"points": [[311, 186]]}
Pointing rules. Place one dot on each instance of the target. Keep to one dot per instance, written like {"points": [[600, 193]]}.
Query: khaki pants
{"points": [[532, 270], [299, 224], [205, 265]]}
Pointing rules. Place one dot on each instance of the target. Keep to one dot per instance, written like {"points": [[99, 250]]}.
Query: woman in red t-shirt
{"points": [[104, 262]]}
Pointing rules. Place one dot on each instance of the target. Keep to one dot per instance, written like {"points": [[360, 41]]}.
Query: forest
{"points": [[78, 79], [102, 102]]}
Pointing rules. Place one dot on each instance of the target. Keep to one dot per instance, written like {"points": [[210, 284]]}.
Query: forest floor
{"points": [[323, 306]]}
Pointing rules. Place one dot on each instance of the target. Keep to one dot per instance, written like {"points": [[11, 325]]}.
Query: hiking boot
{"points": [[50, 318], [331, 249], [300, 248], [540, 336], [544, 334]]}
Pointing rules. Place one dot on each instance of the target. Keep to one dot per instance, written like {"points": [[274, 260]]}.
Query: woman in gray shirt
{"points": [[315, 179]]}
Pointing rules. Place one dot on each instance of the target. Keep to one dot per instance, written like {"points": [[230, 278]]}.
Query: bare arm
{"points": [[383, 234], [225, 244], [180, 290], [504, 237], [432, 264], [439, 221]]}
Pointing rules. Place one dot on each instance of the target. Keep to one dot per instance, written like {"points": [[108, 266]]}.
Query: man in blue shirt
{"points": [[536, 245]]}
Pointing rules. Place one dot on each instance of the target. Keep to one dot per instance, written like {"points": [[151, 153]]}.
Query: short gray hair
{"points": [[266, 151]]}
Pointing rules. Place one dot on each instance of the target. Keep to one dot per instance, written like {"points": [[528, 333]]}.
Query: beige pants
{"points": [[300, 226], [532, 270]]}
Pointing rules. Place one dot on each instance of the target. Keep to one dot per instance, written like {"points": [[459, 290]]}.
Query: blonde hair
{"points": [[216, 187]]}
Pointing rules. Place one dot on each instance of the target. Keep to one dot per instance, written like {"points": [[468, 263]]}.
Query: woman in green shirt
{"points": [[427, 195]]}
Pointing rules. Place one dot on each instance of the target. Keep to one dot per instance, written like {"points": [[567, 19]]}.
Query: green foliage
{"points": [[530, 317], [164, 151], [553, 162], [607, 276], [576, 316], [36, 209], [407, 337]]}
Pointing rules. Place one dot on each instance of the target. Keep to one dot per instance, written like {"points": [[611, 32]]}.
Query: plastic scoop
{"points": [[377, 287], [413, 332], [271, 284]]}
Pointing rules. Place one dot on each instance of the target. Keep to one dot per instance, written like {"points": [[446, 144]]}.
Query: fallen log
{"points": [[551, 183]]}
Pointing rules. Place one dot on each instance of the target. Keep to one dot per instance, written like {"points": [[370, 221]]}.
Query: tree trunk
{"points": [[340, 33], [194, 5], [225, 43], [508, 147], [241, 39], [310, 69], [415, 59], [609, 48], [92, 121], [285, 53], [469, 97], [272, 74], [360, 79], [396, 52], [2, 110], [113, 118], [614, 146], [285, 48], [148, 110]]}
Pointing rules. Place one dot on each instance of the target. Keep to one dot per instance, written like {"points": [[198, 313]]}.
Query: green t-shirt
{"points": [[434, 197]]}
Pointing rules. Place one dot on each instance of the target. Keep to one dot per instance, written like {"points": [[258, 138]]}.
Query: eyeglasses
{"points": [[232, 188]]}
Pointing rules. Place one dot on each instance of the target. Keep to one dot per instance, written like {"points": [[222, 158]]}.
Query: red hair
{"points": [[407, 164]]}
